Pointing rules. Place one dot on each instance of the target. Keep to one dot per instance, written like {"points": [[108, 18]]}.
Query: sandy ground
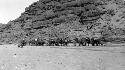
{"points": [[63, 58]]}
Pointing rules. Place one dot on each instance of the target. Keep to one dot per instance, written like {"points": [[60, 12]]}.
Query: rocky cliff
{"points": [[67, 18]]}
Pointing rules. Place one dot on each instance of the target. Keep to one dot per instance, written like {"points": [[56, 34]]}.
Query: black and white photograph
{"points": [[62, 34]]}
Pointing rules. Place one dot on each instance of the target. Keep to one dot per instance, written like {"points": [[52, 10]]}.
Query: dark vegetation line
{"points": [[63, 42]]}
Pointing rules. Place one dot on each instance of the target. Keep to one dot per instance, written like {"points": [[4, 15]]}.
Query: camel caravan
{"points": [[84, 41]]}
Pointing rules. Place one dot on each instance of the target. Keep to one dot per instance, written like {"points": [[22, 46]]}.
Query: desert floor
{"points": [[62, 58]]}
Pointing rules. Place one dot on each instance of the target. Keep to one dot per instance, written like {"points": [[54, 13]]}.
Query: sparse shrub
{"points": [[22, 43], [111, 12]]}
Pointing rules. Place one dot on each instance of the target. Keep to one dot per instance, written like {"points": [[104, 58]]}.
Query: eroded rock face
{"points": [[58, 18]]}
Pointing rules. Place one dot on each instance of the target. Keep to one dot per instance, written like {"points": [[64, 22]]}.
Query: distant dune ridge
{"points": [[67, 18]]}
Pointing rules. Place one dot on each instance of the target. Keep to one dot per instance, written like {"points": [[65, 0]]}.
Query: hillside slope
{"points": [[67, 18]]}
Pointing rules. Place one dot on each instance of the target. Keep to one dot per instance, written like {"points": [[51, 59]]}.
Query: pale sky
{"points": [[11, 9]]}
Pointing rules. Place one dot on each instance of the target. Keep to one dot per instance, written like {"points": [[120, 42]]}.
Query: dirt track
{"points": [[46, 58]]}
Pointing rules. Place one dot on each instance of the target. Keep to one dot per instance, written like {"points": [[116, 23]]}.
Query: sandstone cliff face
{"points": [[67, 18]]}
